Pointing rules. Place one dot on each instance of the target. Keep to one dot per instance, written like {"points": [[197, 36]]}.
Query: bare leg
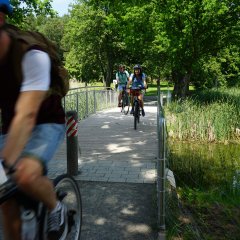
{"points": [[131, 101], [31, 181], [141, 101], [119, 97]]}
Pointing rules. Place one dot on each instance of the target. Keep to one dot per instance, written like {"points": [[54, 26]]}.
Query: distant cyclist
{"points": [[122, 77], [138, 79], [33, 126]]}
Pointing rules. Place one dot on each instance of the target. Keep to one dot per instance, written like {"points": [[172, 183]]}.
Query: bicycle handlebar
{"points": [[137, 88], [7, 189]]}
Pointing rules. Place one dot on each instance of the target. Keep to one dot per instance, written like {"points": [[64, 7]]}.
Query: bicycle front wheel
{"points": [[125, 104], [68, 192], [136, 112]]}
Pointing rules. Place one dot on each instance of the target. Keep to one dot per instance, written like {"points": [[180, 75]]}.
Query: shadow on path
{"points": [[118, 211]]}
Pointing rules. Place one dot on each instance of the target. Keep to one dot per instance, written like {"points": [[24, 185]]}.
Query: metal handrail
{"points": [[78, 89], [161, 162], [88, 100]]}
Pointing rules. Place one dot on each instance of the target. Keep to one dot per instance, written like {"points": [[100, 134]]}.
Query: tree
{"points": [[91, 37], [53, 28], [190, 31], [26, 8]]}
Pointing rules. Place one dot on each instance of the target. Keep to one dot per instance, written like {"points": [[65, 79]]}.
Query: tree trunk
{"points": [[109, 78], [108, 74], [181, 85]]}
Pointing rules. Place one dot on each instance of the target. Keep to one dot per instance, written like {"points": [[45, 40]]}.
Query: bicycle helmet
{"points": [[6, 7], [137, 66]]}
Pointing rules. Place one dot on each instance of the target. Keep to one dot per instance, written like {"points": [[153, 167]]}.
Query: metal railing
{"points": [[161, 161], [88, 100]]}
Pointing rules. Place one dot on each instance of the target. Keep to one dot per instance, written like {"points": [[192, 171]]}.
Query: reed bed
{"points": [[209, 116], [205, 204]]}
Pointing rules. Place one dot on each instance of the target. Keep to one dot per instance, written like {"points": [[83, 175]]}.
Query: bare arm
{"points": [[145, 84], [145, 81], [129, 82], [26, 110]]}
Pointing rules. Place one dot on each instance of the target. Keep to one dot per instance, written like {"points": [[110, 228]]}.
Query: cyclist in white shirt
{"points": [[33, 126]]}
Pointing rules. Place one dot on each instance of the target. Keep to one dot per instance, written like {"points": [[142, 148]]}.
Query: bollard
{"points": [[72, 142]]}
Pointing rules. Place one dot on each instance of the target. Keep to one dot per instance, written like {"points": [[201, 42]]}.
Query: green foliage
{"points": [[51, 27], [188, 33], [90, 36], [23, 9], [193, 42]]}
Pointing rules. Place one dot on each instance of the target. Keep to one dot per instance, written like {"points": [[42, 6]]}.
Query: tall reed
{"points": [[209, 116]]}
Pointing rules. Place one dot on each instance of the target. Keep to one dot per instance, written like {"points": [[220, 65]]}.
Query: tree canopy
{"points": [[24, 8], [182, 41]]}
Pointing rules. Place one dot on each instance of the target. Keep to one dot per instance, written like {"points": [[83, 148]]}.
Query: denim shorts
{"points": [[120, 87], [43, 142]]}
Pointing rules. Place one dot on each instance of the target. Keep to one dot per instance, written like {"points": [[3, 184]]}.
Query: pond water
{"points": [[205, 166]]}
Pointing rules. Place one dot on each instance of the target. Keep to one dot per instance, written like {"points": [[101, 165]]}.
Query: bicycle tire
{"points": [[125, 103], [136, 112], [68, 192], [122, 107], [73, 202], [139, 114]]}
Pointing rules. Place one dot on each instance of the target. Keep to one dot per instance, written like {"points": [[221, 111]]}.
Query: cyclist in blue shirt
{"points": [[138, 79]]}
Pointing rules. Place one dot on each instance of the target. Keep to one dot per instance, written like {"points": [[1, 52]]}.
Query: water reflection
{"points": [[205, 166]]}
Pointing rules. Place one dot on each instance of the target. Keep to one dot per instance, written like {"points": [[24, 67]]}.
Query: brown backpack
{"points": [[26, 40]]}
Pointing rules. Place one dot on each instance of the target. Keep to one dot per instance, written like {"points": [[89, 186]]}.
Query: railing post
{"points": [[110, 97], [168, 96], [106, 94], [95, 101], [161, 175], [87, 102], [77, 103], [72, 142], [161, 166]]}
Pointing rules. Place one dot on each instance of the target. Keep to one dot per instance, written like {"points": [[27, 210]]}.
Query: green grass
{"points": [[164, 88], [152, 88]]}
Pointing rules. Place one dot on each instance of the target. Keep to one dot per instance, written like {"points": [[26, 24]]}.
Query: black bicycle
{"points": [[135, 92], [125, 101], [67, 191]]}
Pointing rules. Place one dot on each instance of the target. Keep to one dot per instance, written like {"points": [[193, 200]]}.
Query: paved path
{"points": [[118, 211], [117, 175], [112, 151]]}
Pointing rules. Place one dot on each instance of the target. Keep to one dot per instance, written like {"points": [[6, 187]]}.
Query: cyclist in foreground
{"points": [[32, 128], [122, 77], [138, 78]]}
